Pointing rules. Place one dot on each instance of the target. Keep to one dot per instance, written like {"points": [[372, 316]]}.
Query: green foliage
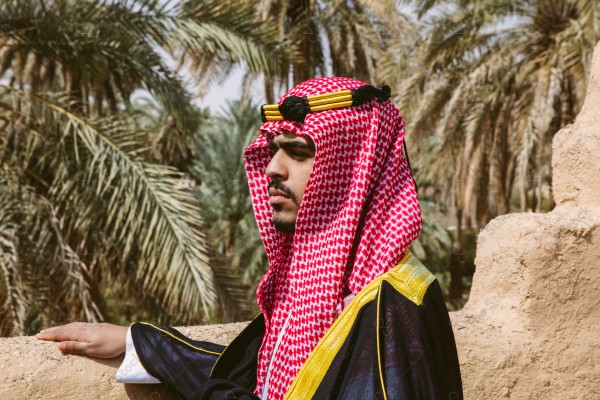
{"points": [[434, 242], [237, 254], [349, 37], [485, 89], [93, 202], [98, 197], [484, 86], [110, 204]]}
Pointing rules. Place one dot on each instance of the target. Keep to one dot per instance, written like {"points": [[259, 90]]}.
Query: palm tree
{"points": [[237, 253], [486, 87], [348, 36], [101, 53], [88, 214]]}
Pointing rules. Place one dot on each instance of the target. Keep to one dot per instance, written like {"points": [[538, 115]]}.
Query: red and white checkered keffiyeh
{"points": [[358, 154]]}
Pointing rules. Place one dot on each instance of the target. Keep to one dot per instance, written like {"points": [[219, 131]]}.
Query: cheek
{"points": [[304, 178]]}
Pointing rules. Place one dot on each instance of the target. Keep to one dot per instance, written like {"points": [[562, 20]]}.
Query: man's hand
{"points": [[95, 340]]}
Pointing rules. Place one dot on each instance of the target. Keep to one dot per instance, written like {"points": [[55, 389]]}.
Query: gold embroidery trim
{"points": [[180, 340], [409, 277], [379, 346]]}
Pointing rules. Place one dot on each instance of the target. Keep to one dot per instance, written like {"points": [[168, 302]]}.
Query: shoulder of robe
{"points": [[410, 278]]}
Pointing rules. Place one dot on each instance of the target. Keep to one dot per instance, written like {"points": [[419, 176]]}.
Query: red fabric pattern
{"points": [[358, 153]]}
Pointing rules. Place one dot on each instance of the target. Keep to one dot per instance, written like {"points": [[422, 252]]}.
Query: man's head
{"points": [[292, 159]]}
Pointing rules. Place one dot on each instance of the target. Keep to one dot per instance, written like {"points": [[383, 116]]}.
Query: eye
{"points": [[298, 155]]}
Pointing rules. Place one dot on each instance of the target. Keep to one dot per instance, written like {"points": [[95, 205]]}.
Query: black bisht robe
{"points": [[394, 341]]}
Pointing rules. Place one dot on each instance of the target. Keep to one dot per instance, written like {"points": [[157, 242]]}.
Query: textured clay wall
{"points": [[531, 328]]}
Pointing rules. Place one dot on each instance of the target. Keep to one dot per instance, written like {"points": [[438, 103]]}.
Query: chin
{"points": [[285, 226]]}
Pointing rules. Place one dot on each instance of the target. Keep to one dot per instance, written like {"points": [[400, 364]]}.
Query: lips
{"points": [[277, 193], [277, 196]]}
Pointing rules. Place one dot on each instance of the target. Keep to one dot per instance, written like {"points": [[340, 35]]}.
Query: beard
{"points": [[284, 226]]}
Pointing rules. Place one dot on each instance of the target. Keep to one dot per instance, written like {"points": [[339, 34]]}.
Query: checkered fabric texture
{"points": [[358, 156]]}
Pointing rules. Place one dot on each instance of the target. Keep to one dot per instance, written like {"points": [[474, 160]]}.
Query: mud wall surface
{"points": [[531, 327]]}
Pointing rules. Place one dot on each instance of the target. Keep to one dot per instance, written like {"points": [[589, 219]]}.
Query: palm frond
{"points": [[12, 293], [238, 253], [146, 211], [503, 70]]}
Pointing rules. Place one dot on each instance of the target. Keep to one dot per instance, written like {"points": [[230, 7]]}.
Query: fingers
{"points": [[75, 331], [48, 334], [92, 339], [74, 337], [74, 347]]}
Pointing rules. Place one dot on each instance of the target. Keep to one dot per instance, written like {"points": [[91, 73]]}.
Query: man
{"points": [[347, 311]]}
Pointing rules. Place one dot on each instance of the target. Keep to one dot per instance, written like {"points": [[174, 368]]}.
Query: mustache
{"points": [[280, 186]]}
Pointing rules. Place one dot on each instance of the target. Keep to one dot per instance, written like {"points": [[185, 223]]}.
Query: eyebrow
{"points": [[288, 144]]}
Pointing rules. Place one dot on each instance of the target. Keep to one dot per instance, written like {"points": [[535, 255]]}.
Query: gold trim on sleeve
{"points": [[271, 107], [180, 340]]}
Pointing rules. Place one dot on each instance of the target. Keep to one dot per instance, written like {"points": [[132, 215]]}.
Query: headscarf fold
{"points": [[358, 216]]}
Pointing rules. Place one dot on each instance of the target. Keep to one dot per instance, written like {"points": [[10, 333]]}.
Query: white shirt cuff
{"points": [[131, 369]]}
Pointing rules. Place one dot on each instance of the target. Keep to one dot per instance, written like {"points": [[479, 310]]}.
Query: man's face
{"points": [[289, 169]]}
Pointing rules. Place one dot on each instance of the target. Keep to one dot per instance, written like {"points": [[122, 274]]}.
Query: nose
{"points": [[276, 168]]}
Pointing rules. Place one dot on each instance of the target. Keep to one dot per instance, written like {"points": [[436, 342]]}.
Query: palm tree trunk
{"points": [[523, 192], [499, 204], [512, 173], [269, 92], [482, 200], [457, 263], [300, 16]]}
